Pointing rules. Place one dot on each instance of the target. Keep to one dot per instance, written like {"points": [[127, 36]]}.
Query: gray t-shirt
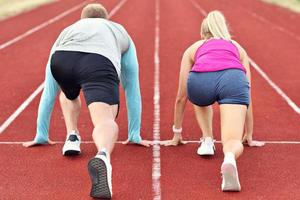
{"points": [[95, 35]]}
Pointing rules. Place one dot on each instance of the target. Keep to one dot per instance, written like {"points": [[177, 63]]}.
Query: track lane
{"points": [[192, 187], [25, 21], [30, 71], [29, 19], [264, 173], [263, 11], [132, 165], [276, 56], [193, 177]]}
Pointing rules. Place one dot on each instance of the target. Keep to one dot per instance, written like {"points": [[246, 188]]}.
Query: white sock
{"points": [[73, 132], [229, 157]]}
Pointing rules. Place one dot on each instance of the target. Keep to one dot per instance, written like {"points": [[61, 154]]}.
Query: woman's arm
{"points": [[249, 115], [181, 98]]}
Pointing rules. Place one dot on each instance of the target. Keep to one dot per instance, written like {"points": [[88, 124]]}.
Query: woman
{"points": [[216, 69]]}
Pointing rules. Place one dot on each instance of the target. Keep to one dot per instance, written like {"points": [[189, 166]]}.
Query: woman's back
{"points": [[215, 55]]}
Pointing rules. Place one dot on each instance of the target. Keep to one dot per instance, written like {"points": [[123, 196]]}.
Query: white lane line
{"points": [[56, 142], [275, 87], [155, 142], [40, 88], [116, 8], [21, 108], [156, 171], [279, 28], [43, 25], [279, 91], [198, 7]]}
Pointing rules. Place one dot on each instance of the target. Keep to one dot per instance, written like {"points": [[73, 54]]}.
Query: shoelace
{"points": [[213, 142], [73, 137]]}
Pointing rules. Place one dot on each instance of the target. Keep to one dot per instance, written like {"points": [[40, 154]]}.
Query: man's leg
{"points": [[71, 111], [105, 135]]}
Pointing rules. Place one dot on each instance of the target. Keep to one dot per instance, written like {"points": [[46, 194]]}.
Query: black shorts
{"points": [[95, 74]]}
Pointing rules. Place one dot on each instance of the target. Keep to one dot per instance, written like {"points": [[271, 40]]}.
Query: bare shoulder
{"points": [[242, 51], [191, 50]]}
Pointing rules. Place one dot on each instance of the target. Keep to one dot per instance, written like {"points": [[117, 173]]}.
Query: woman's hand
{"points": [[247, 140], [177, 140]]}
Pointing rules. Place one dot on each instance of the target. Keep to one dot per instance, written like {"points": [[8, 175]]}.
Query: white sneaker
{"points": [[207, 147], [100, 172], [230, 177], [72, 145]]}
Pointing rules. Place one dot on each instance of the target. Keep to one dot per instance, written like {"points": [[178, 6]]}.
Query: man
{"points": [[92, 54]]}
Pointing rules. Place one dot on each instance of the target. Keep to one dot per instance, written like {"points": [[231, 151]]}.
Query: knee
{"points": [[62, 98], [72, 102], [104, 124], [229, 143]]}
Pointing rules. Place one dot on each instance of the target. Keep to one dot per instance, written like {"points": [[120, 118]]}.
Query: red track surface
{"points": [[265, 173]]}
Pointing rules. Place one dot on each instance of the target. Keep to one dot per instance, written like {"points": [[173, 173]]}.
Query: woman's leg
{"points": [[232, 126], [204, 116]]}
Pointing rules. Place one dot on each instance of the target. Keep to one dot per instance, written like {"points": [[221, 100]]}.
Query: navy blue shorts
{"points": [[226, 87], [95, 74]]}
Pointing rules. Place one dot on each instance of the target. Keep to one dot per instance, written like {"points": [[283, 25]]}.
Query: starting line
{"points": [[154, 142]]}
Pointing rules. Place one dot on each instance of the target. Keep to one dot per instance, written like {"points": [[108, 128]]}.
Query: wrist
{"points": [[176, 130]]}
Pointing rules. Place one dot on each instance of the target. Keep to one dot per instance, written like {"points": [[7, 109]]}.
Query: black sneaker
{"points": [[100, 172]]}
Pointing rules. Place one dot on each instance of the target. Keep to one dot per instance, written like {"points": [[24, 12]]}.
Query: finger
{"points": [[126, 142], [164, 142], [183, 142], [144, 143], [51, 142], [29, 144], [150, 142], [254, 143], [171, 143]]}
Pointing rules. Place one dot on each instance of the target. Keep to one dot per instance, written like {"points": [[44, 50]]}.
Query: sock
{"points": [[102, 152], [229, 157], [73, 132]]}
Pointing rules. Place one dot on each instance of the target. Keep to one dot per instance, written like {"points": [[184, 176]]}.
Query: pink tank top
{"points": [[216, 55]]}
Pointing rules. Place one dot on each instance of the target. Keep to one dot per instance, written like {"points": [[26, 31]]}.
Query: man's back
{"points": [[96, 35]]}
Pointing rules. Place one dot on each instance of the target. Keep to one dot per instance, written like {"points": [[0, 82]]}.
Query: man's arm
{"points": [[131, 85], [46, 104]]}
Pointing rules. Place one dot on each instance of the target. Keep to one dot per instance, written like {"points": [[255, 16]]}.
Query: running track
{"points": [[161, 29]]}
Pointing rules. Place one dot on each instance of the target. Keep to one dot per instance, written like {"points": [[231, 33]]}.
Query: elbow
{"points": [[181, 99]]}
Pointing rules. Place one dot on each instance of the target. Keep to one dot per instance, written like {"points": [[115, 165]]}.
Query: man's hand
{"points": [[145, 143], [177, 140], [33, 143]]}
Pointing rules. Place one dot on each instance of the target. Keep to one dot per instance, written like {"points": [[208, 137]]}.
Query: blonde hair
{"points": [[94, 10], [214, 26]]}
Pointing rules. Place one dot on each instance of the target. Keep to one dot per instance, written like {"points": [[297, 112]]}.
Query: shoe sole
{"points": [[230, 178], [98, 174], [205, 153], [71, 153]]}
